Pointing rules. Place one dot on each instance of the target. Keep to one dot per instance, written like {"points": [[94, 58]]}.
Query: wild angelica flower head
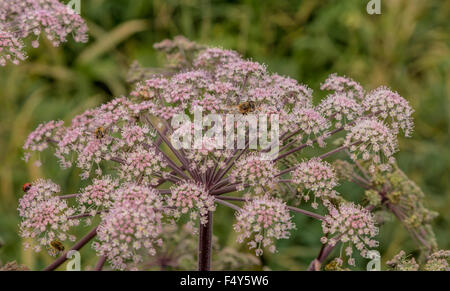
{"points": [[402, 262], [311, 124], [131, 228], [241, 71], [340, 108], [204, 155], [11, 47], [191, 198], [151, 88], [38, 140], [187, 86], [438, 261], [97, 197], [21, 19], [281, 93], [261, 221], [353, 225], [345, 85], [392, 107], [286, 90], [156, 108], [132, 140], [212, 57], [317, 176], [371, 139], [40, 190], [209, 103], [134, 135], [45, 217], [13, 266], [142, 164], [90, 136], [255, 172]]}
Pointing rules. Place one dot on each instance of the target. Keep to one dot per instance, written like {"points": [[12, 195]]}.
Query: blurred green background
{"points": [[407, 48]]}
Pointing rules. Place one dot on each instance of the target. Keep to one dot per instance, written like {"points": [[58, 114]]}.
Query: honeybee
{"points": [[57, 246], [99, 132], [26, 187], [246, 107]]}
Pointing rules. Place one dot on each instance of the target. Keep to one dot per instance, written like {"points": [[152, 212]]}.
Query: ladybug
{"points": [[26, 187]]}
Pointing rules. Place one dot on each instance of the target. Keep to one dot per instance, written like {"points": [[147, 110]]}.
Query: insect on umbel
{"points": [[26, 187], [57, 246], [99, 133], [247, 107]]}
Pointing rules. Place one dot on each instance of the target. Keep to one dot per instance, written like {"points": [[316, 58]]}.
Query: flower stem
{"points": [[230, 205], [326, 250], [100, 263], [205, 244]]}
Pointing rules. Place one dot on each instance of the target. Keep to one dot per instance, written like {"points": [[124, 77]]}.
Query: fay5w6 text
{"points": [[246, 281]]}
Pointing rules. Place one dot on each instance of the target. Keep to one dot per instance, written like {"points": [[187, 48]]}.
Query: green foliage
{"points": [[406, 47]]}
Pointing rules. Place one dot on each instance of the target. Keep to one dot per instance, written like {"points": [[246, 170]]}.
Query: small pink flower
{"points": [[315, 176], [132, 227], [310, 124], [340, 108], [191, 198], [256, 172], [343, 85], [392, 108], [45, 217], [210, 58], [143, 165], [372, 140], [353, 225], [99, 196], [30, 18], [38, 140], [261, 221]]}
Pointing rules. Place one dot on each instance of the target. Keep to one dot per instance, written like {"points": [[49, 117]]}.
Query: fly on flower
{"points": [[56, 247], [247, 107], [99, 133]]}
